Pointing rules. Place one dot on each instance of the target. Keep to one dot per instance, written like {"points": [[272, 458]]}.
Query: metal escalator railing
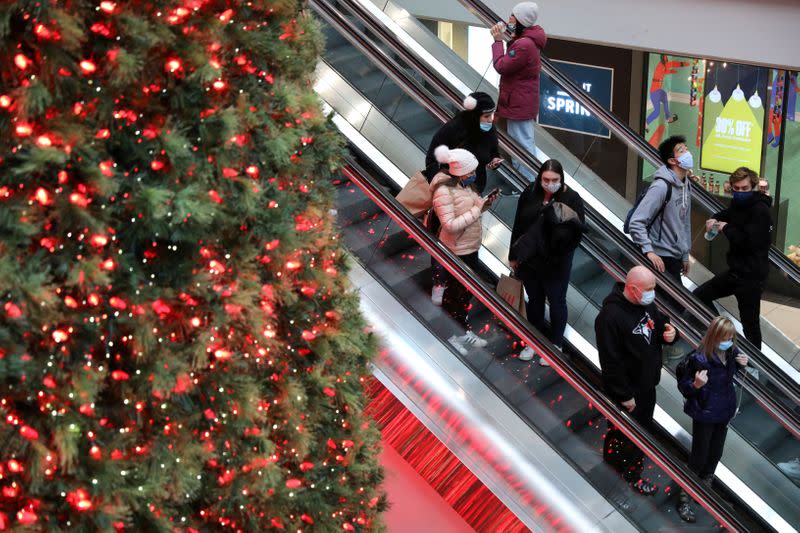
{"points": [[620, 272], [782, 411], [634, 141], [677, 470]]}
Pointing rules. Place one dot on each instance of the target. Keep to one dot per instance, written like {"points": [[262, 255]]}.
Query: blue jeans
{"points": [[522, 132], [659, 98]]}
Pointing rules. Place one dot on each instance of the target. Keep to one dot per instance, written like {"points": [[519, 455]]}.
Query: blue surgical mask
{"points": [[511, 27], [469, 180], [686, 161], [725, 345], [742, 196], [647, 297], [486, 126]]}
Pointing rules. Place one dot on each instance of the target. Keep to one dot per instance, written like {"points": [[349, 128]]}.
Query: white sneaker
{"points": [[543, 361], [474, 340], [526, 354], [455, 342], [791, 468], [437, 294]]}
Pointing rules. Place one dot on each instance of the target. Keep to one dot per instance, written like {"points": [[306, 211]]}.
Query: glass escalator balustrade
{"points": [[597, 164], [540, 397], [591, 288]]}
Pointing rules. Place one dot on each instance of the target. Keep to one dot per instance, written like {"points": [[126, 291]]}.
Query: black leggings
{"points": [[456, 297]]}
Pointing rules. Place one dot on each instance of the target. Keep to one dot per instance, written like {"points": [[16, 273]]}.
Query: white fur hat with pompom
{"points": [[461, 161]]}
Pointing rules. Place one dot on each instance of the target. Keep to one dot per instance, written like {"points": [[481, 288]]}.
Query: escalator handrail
{"points": [[677, 470], [786, 417], [634, 141]]}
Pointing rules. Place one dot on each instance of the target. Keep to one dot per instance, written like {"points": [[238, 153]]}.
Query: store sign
{"points": [[558, 110], [733, 117]]}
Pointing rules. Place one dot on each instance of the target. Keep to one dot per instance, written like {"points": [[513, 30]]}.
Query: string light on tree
{"points": [[177, 314]]}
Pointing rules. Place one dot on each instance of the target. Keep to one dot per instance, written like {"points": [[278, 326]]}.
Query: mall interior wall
{"points": [[763, 32]]}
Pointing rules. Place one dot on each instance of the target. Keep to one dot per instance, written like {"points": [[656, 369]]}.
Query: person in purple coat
{"points": [[707, 385], [519, 65]]}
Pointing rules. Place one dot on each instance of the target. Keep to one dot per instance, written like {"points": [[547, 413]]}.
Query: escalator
{"points": [[378, 234], [767, 434], [584, 160]]}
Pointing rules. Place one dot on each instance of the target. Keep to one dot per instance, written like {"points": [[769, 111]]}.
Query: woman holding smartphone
{"points": [[707, 385], [459, 208]]}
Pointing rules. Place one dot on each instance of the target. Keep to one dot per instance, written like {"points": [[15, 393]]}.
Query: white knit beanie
{"points": [[526, 13], [461, 161]]}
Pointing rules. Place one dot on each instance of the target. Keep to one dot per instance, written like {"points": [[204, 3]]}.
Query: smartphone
{"points": [[495, 191]]}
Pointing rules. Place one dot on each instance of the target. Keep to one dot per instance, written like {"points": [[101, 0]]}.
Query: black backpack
{"points": [[660, 213], [685, 367]]}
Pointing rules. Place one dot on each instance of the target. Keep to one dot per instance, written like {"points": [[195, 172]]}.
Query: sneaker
{"points": [[685, 512], [645, 488], [543, 361], [437, 294], [791, 468], [474, 340], [526, 354], [455, 342]]}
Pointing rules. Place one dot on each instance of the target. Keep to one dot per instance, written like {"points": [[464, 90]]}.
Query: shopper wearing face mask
{"points": [[519, 65], [630, 333], [661, 222], [473, 130], [458, 209], [747, 224], [547, 229], [707, 385]]}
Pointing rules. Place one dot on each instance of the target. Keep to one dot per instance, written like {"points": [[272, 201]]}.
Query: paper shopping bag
{"points": [[512, 291], [416, 195]]}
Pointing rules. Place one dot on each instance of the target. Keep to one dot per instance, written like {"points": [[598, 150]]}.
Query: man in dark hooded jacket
{"points": [[630, 333], [747, 224]]}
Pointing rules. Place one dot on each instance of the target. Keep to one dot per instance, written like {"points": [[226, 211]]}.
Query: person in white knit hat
{"points": [[519, 65], [458, 208]]}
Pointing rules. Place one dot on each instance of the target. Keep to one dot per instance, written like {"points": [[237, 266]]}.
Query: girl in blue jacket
{"points": [[710, 400]]}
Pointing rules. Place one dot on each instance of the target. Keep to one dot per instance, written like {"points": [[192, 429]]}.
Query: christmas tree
{"points": [[178, 347]]}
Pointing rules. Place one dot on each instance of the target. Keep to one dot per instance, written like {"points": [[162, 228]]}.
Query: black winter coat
{"points": [[463, 131], [749, 232], [714, 402], [629, 342], [555, 242]]}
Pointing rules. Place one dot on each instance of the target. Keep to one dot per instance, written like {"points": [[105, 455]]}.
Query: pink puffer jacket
{"points": [[519, 68], [459, 211]]}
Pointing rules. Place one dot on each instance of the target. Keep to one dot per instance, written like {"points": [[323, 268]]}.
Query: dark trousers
{"points": [[673, 266], [748, 297], [551, 284], [708, 440], [456, 297], [618, 451]]}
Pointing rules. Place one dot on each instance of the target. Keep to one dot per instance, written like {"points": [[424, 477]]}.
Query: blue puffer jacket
{"points": [[714, 402]]}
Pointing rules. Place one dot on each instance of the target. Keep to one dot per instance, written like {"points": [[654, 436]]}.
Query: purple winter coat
{"points": [[519, 68]]}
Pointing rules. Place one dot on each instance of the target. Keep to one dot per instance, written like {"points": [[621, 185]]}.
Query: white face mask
{"points": [[686, 161], [552, 188]]}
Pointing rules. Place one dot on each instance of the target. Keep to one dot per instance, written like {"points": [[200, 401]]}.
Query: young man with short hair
{"points": [[747, 224], [661, 222]]}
